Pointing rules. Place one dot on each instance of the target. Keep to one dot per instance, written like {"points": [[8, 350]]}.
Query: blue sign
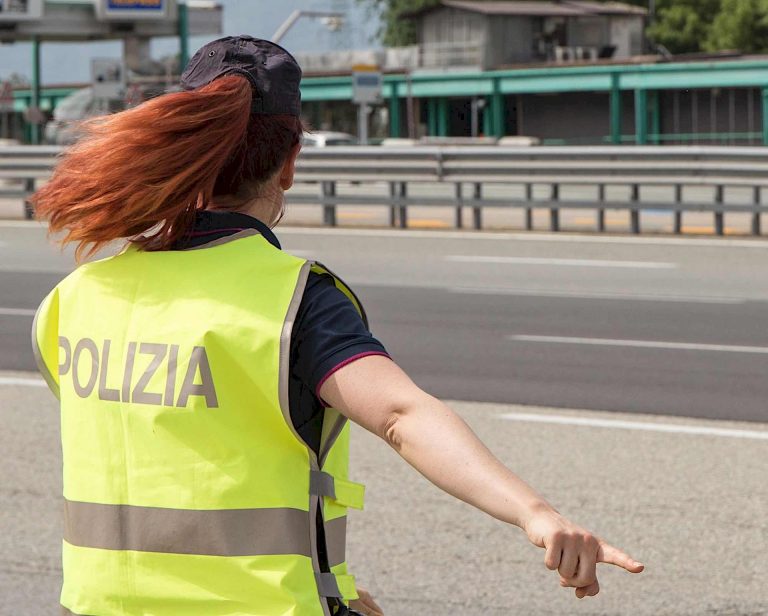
{"points": [[154, 6]]}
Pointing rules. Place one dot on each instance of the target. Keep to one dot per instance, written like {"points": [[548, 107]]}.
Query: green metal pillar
{"points": [[655, 118], [432, 117], [183, 36], [765, 116], [442, 117], [641, 117], [394, 112], [616, 109], [497, 110], [34, 128]]}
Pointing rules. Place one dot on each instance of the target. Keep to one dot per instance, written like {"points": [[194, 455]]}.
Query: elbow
{"points": [[392, 430]]}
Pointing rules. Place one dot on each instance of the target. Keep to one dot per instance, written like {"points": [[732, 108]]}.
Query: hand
{"points": [[365, 604], [574, 552]]}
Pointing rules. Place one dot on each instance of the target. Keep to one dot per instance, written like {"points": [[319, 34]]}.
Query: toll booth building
{"points": [[570, 72], [496, 34]]}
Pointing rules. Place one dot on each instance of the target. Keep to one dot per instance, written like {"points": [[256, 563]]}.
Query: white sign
{"points": [[6, 96], [20, 10], [366, 85], [108, 77], [131, 10]]}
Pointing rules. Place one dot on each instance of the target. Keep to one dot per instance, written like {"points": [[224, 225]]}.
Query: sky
{"points": [[64, 63]]}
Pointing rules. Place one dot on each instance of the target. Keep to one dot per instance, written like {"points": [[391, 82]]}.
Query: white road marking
{"points": [[20, 312], [617, 424], [579, 238], [302, 254], [23, 269], [559, 262], [11, 380], [30, 224], [627, 297], [643, 344]]}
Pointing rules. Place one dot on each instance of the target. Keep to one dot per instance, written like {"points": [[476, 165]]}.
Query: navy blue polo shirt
{"points": [[328, 332]]}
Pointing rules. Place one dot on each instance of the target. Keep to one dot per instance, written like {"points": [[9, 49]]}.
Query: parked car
{"points": [[323, 138]]}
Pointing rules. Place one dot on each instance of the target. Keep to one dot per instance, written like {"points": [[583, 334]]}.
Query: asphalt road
{"points": [[653, 325], [640, 325], [688, 503]]}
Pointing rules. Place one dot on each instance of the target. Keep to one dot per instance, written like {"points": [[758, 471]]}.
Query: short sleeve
{"points": [[329, 332]]}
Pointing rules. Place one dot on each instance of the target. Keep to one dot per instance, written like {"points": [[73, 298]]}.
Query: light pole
{"points": [[332, 20]]}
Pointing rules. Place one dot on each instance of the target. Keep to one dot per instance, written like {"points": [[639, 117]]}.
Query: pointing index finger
{"points": [[606, 553]]}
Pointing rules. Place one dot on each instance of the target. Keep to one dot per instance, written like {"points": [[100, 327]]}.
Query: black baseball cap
{"points": [[272, 71]]}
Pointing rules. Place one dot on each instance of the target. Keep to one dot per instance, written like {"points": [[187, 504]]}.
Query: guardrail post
{"points": [[601, 211], [402, 194], [392, 207], [634, 213], [757, 199], [554, 212], [459, 203], [477, 210], [678, 212], [329, 209], [29, 188], [719, 215], [529, 210]]}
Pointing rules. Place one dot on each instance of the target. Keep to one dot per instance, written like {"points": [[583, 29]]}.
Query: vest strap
{"points": [[345, 493], [327, 586], [338, 586]]}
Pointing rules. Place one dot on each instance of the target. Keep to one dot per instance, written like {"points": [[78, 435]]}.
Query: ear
{"points": [[289, 168]]}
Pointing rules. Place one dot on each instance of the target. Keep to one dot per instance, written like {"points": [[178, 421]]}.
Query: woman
{"points": [[206, 377]]}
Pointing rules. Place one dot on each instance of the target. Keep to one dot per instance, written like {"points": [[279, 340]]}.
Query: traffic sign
{"points": [[6, 96], [366, 84], [130, 10]]}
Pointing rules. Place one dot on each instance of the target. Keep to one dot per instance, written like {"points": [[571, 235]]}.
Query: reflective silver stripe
{"points": [[336, 540], [284, 377], [220, 532], [41, 366], [322, 484], [327, 585], [285, 353]]}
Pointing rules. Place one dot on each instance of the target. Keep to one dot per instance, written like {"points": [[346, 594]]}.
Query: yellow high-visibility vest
{"points": [[187, 489]]}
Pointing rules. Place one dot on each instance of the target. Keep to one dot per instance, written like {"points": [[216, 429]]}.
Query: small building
{"points": [[495, 34]]}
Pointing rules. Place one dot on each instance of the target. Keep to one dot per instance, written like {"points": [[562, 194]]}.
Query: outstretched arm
{"points": [[376, 394]]}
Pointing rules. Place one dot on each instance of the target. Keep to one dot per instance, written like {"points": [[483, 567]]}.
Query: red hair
{"points": [[141, 174]]}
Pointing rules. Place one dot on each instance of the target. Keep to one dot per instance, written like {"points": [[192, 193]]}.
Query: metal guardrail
{"points": [[478, 167]]}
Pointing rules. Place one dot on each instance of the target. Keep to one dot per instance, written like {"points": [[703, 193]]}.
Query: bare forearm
{"points": [[379, 396], [443, 448]]}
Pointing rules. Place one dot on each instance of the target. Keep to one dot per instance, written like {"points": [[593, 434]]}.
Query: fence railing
{"points": [[470, 172]]}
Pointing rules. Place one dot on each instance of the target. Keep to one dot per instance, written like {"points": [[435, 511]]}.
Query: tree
{"points": [[396, 29], [683, 26], [741, 24]]}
